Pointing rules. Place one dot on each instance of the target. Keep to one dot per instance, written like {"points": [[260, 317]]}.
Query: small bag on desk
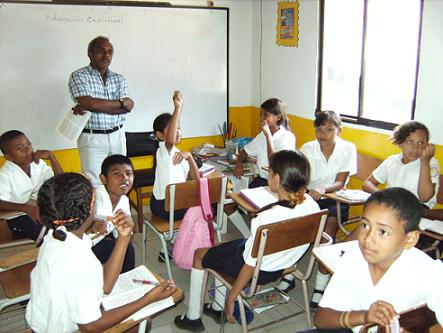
{"points": [[196, 230]]}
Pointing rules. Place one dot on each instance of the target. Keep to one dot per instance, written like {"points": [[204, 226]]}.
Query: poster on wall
{"points": [[287, 23]]}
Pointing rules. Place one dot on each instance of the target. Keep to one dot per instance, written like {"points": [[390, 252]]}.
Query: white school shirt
{"points": [[324, 172], [66, 286], [394, 173], [284, 259], [413, 279], [167, 173], [282, 140], [16, 186], [103, 206]]}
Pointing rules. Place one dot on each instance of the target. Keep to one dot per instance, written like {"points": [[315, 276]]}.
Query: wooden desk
{"points": [[177, 296], [339, 200], [243, 203]]}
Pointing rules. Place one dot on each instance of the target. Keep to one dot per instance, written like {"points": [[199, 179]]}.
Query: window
{"points": [[369, 57]]}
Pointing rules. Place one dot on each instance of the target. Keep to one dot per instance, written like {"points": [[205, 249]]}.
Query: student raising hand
{"points": [[123, 223], [178, 100]]}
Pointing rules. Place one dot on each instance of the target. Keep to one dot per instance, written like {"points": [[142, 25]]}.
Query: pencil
{"points": [[153, 283]]}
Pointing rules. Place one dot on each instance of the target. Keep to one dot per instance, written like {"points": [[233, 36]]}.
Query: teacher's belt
{"points": [[98, 131]]}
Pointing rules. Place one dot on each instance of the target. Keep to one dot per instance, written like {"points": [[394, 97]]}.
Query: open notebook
{"points": [[126, 291], [431, 225], [258, 197]]}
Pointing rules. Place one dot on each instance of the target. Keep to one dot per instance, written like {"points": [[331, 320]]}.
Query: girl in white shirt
{"points": [[414, 169], [68, 281], [332, 161], [275, 135], [288, 177], [173, 165]]}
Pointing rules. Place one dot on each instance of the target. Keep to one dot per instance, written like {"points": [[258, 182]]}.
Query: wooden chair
{"points": [[272, 238], [365, 166], [435, 214], [141, 144], [181, 196]]}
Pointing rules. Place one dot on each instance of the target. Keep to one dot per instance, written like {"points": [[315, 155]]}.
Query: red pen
{"points": [[153, 283]]}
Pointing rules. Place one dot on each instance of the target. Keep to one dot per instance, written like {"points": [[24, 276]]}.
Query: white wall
{"points": [[429, 105], [241, 68], [289, 73]]}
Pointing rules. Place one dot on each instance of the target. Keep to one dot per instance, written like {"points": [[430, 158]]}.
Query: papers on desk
{"points": [[431, 225], [206, 169], [330, 255], [353, 195], [126, 291], [258, 197], [72, 125]]}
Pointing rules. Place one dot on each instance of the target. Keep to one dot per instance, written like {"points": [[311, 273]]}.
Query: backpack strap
{"points": [[206, 206]]}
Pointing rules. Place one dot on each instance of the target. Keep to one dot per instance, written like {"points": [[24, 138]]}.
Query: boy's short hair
{"points": [[161, 122], [323, 117], [6, 138], [109, 161], [401, 132], [404, 203]]}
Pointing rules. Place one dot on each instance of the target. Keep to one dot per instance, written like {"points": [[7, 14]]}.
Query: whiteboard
{"points": [[157, 49]]}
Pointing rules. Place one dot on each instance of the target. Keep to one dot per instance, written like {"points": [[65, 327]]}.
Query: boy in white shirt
{"points": [[117, 177], [20, 179], [173, 165], [385, 274]]}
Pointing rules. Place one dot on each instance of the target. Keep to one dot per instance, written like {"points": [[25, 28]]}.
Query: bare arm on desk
{"points": [[238, 169], [115, 316], [338, 184], [370, 184], [30, 210]]}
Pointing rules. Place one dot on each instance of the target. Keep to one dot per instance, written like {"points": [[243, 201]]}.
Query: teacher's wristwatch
{"points": [[122, 105]]}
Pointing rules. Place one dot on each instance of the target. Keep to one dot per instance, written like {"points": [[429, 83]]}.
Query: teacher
{"points": [[105, 93]]}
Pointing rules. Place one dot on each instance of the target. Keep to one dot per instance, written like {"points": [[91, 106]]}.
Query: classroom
{"points": [[259, 69]]}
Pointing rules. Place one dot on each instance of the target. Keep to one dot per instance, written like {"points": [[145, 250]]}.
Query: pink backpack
{"points": [[196, 230]]}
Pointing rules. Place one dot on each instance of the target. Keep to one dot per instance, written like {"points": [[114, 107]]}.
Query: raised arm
{"points": [[49, 155], [268, 135], [171, 133], [426, 189]]}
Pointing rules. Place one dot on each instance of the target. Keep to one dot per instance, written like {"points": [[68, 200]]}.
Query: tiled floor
{"points": [[163, 323]]}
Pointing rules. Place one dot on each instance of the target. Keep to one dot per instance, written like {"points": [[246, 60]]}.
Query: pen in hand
{"points": [[153, 283]]}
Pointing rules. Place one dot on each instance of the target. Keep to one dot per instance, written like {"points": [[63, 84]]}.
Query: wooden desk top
{"points": [[177, 296], [243, 203], [340, 199]]}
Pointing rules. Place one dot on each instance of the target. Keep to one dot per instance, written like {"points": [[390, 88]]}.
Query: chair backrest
{"points": [[187, 194], [289, 233], [284, 235], [440, 191], [365, 166], [141, 144]]}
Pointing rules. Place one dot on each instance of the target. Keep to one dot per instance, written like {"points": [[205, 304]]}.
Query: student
{"points": [[20, 179], [288, 178], [332, 161], [275, 135], [117, 176], [68, 282], [414, 169], [173, 165], [385, 274]]}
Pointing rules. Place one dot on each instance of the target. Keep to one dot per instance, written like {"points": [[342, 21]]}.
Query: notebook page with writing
{"points": [[258, 197], [126, 291]]}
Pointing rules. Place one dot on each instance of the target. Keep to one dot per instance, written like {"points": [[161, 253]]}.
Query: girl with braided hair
{"points": [[288, 178], [68, 281]]}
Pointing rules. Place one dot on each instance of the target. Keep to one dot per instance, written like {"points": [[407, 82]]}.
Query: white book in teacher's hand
{"points": [[126, 291], [258, 197], [72, 125]]}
